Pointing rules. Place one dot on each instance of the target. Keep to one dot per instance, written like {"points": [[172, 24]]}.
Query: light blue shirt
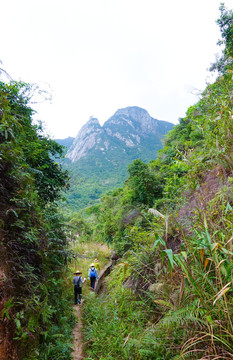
{"points": [[91, 269]]}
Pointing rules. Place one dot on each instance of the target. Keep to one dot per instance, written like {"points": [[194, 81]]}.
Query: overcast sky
{"points": [[97, 56]]}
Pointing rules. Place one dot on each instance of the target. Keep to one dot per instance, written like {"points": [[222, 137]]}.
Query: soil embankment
{"points": [[103, 273]]}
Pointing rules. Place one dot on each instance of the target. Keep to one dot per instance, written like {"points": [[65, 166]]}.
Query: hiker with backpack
{"points": [[92, 275], [78, 281]]}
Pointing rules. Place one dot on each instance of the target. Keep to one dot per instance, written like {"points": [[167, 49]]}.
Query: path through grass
{"points": [[85, 254]]}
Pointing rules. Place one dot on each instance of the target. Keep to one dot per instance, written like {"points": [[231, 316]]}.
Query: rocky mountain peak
{"points": [[129, 129], [135, 117], [85, 140], [92, 121], [134, 112], [91, 125]]}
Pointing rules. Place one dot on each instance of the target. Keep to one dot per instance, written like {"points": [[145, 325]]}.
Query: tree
{"points": [[142, 183], [39, 151], [32, 238], [225, 22]]}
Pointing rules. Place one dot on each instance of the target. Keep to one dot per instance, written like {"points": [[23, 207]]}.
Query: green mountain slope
{"points": [[99, 156], [66, 142], [170, 294]]}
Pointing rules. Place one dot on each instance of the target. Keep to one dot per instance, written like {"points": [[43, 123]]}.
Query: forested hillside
{"points": [[66, 142], [171, 224], [99, 156], [169, 291]]}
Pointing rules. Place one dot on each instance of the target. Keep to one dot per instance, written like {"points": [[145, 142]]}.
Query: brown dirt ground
{"points": [[77, 334]]}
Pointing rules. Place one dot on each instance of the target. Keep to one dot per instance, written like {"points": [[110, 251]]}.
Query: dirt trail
{"points": [[86, 254], [77, 334]]}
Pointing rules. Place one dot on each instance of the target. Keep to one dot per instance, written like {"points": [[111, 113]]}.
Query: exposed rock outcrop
{"points": [[199, 200], [86, 139], [129, 128]]}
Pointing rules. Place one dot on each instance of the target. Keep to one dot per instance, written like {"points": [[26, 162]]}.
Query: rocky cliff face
{"points": [[98, 158], [88, 137], [131, 128]]}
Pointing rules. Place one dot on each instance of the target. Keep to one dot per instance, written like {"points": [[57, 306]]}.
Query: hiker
{"points": [[78, 281], [92, 275], [97, 265]]}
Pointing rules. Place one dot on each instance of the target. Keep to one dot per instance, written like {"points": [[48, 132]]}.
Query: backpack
{"points": [[77, 286], [92, 273]]}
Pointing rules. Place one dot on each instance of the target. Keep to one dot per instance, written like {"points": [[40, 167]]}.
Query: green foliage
{"points": [[225, 22], [131, 331], [122, 336], [33, 243], [142, 183], [177, 256], [5, 311], [100, 171]]}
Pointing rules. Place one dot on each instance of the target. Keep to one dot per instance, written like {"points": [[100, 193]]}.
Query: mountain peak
{"points": [[85, 140], [130, 130], [136, 117], [92, 120], [132, 111]]}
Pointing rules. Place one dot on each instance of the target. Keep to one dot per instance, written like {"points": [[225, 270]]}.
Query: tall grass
{"points": [[189, 313]]}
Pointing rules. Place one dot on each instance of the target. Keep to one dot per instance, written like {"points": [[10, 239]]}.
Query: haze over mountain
{"points": [[67, 142], [99, 156]]}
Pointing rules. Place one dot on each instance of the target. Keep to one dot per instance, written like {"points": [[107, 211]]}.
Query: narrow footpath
{"points": [[87, 252], [77, 334]]}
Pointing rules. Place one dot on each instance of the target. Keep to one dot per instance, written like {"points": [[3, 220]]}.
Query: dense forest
{"points": [[33, 244], [169, 294]]}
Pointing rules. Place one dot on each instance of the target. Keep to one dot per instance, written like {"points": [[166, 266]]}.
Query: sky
{"points": [[97, 56]]}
